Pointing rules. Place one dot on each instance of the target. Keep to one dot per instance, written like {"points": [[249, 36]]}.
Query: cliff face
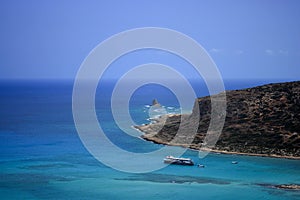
{"points": [[260, 120]]}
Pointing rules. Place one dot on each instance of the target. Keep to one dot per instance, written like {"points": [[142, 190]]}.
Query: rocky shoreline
{"points": [[283, 186], [260, 121]]}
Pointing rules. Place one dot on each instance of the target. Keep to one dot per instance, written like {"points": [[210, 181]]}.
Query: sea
{"points": [[43, 157]]}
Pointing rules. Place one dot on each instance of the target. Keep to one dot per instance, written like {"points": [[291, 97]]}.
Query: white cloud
{"points": [[269, 52], [215, 50]]}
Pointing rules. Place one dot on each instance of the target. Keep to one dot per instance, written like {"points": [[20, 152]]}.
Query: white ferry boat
{"points": [[178, 161]]}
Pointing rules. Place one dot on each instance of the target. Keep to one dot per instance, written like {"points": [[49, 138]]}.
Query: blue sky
{"points": [[246, 39]]}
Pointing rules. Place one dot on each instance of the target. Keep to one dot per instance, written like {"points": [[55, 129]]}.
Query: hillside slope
{"points": [[263, 120]]}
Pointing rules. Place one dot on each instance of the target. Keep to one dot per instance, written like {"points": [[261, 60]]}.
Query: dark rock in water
{"points": [[283, 186], [262, 120], [288, 186], [165, 178]]}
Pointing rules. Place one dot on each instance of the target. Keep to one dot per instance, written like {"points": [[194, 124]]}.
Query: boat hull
{"points": [[178, 161]]}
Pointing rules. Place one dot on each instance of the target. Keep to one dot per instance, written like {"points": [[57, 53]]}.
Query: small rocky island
{"points": [[263, 120]]}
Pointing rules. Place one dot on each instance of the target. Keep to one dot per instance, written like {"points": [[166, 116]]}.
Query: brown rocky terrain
{"points": [[263, 120]]}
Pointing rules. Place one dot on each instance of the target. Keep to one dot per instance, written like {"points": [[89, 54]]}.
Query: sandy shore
{"points": [[149, 137], [252, 154]]}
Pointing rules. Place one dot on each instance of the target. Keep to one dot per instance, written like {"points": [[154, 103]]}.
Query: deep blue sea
{"points": [[42, 156]]}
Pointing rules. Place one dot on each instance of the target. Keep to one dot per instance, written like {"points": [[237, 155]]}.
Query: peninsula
{"points": [[261, 121]]}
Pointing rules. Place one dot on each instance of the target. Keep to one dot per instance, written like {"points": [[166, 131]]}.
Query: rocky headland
{"points": [[263, 120]]}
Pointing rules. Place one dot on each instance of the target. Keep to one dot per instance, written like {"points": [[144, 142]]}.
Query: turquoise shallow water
{"points": [[42, 157]]}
